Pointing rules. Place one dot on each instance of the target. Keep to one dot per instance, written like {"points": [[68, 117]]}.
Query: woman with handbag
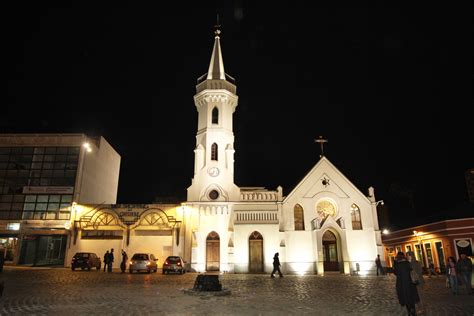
{"points": [[406, 290], [418, 270]]}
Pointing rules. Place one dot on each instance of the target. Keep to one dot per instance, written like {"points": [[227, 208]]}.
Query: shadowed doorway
{"points": [[331, 262]]}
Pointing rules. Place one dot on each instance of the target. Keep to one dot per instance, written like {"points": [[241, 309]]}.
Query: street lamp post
{"points": [[376, 215]]}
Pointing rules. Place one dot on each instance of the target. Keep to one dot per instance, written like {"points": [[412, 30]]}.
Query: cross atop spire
{"points": [[321, 141], [217, 26]]}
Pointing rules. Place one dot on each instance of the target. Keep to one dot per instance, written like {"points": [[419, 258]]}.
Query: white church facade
{"points": [[324, 224]]}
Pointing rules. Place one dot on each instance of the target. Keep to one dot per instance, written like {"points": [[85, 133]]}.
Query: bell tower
{"points": [[215, 101]]}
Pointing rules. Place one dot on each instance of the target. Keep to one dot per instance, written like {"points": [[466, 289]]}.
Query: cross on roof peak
{"points": [[321, 142]]}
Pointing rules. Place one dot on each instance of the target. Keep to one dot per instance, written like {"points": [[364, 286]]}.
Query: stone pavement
{"points": [[59, 291]]}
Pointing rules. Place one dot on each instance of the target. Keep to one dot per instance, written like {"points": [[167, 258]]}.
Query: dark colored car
{"points": [[174, 264], [85, 260]]}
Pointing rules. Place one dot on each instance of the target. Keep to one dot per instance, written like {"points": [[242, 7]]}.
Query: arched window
{"points": [[215, 116], [299, 217], [356, 219], [214, 152]]}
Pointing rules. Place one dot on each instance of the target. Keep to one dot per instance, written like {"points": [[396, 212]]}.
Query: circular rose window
{"points": [[213, 195]]}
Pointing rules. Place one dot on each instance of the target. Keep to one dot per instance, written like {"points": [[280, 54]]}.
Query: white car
{"points": [[143, 262]]}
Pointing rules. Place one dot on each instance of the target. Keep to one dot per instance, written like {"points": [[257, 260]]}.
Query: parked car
{"points": [[143, 262], [174, 264], [85, 260]]}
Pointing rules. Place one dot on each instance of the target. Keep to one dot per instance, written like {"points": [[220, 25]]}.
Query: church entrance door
{"points": [[255, 253], [331, 262], [213, 252]]}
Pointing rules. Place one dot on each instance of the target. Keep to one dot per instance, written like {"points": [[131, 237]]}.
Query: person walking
{"points": [[416, 266], [406, 291], [378, 265], [106, 260], [111, 260], [431, 270], [276, 266], [452, 275], [123, 264], [464, 269]]}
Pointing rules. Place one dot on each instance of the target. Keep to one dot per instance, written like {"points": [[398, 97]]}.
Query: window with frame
{"points": [[214, 152], [35, 166], [299, 217], [215, 115], [356, 218], [47, 206]]}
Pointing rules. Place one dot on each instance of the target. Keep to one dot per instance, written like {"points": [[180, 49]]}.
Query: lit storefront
{"points": [[150, 228], [432, 243]]}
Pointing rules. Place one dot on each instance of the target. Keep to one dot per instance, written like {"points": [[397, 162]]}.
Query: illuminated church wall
{"points": [[224, 227], [327, 200], [271, 245]]}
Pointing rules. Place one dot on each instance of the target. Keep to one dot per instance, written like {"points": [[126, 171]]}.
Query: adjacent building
{"points": [[432, 243], [42, 178]]}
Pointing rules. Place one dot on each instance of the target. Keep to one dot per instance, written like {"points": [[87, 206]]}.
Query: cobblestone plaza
{"points": [[59, 291]]}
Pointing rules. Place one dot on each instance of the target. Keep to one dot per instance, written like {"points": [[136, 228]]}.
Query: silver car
{"points": [[143, 262]]}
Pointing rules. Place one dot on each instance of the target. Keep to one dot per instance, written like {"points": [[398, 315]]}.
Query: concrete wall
{"points": [[98, 182]]}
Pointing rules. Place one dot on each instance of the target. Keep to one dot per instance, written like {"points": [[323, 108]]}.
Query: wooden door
{"points": [[256, 255], [331, 262], [213, 252], [330, 256]]}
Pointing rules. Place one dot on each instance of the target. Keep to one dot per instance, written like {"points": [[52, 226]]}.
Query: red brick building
{"points": [[432, 243]]}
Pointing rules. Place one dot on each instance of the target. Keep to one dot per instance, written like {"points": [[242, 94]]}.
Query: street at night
{"points": [[279, 158], [59, 291]]}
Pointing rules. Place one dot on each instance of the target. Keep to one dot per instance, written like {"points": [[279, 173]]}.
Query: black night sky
{"points": [[389, 87]]}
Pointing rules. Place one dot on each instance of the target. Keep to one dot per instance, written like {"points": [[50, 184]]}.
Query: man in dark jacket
{"points": [[106, 260], [378, 265], [276, 266], [123, 264], [111, 260], [464, 269]]}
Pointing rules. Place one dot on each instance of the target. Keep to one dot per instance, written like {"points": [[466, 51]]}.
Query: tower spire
{"points": [[216, 66]]}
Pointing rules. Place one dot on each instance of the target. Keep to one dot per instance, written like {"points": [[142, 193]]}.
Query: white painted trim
{"points": [[434, 231], [424, 225]]}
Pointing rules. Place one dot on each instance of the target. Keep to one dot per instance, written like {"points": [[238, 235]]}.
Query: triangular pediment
{"points": [[324, 177], [330, 223], [324, 183]]}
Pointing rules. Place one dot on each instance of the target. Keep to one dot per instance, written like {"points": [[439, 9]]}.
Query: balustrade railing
{"points": [[256, 217]]}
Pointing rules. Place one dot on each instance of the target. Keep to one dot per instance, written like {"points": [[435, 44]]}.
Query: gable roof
{"points": [[324, 161]]}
